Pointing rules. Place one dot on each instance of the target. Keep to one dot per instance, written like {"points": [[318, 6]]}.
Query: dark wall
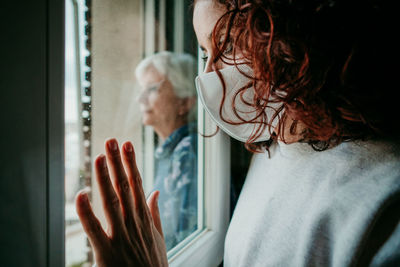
{"points": [[31, 119]]}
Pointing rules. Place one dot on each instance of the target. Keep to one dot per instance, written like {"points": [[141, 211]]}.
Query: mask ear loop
{"points": [[217, 127], [209, 135]]}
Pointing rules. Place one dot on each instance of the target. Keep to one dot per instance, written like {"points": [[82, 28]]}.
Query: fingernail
{"points": [[84, 197], [112, 145], [128, 147], [102, 159]]}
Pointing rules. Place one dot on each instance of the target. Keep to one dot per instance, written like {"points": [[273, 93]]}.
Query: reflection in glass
{"points": [[168, 104]]}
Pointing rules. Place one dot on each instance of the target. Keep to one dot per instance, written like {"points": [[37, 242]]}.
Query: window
{"points": [[105, 43], [77, 129]]}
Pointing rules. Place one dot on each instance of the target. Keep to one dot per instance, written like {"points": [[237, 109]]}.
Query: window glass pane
{"points": [[121, 83], [76, 243], [168, 106]]}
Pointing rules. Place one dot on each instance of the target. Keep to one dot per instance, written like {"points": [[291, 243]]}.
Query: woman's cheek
{"points": [[152, 100]]}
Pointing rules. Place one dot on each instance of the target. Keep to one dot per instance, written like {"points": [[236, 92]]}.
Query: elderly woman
{"points": [[168, 104]]}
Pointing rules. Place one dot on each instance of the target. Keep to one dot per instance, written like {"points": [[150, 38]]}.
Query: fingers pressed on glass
{"points": [[110, 200], [134, 177], [97, 237], [120, 179]]}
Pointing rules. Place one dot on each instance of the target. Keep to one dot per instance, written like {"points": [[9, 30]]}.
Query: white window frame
{"points": [[206, 247]]}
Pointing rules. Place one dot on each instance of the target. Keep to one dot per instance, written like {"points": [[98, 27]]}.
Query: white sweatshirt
{"points": [[306, 208]]}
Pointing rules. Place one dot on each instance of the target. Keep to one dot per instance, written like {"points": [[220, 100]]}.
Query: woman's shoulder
{"points": [[375, 149], [356, 199], [373, 159], [325, 203], [366, 197]]}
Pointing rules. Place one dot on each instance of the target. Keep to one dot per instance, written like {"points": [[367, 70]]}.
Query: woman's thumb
{"points": [[152, 203]]}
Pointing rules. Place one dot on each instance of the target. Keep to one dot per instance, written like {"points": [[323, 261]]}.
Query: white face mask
{"points": [[210, 90]]}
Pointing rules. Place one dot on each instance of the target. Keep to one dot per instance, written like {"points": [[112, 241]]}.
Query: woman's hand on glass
{"points": [[134, 236]]}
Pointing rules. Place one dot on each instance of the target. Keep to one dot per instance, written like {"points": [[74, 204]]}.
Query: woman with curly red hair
{"points": [[309, 85]]}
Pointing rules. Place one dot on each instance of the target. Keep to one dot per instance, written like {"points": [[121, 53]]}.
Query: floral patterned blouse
{"points": [[176, 179]]}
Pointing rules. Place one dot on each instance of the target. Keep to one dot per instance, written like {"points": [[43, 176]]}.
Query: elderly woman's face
{"points": [[159, 105]]}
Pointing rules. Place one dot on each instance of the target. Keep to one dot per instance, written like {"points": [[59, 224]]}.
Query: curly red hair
{"points": [[328, 62]]}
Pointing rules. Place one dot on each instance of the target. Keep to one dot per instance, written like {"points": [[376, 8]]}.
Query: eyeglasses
{"points": [[147, 90], [152, 88]]}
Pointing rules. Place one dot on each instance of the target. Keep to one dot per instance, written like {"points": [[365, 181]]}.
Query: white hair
{"points": [[178, 68]]}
